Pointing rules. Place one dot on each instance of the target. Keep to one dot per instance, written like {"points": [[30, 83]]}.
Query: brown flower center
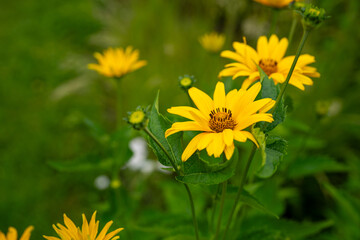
{"points": [[221, 120], [268, 65]]}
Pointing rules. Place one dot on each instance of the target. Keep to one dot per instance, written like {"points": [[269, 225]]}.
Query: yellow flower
{"points": [[12, 234], [270, 57], [275, 3], [87, 232], [117, 62], [212, 42], [222, 120]]}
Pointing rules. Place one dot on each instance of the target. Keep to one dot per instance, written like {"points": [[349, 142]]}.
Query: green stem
{"points": [[178, 173], [298, 52], [274, 19], [148, 132], [214, 207], [242, 183], [193, 211], [292, 29], [222, 201]]}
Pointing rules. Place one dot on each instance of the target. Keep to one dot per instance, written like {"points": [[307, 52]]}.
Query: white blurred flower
{"points": [[102, 182], [139, 160]]}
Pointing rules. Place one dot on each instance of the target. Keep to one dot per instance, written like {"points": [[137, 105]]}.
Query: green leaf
{"points": [[198, 171], [158, 124], [289, 229], [250, 200], [273, 149], [82, 164], [270, 90], [314, 164], [264, 234], [344, 203]]}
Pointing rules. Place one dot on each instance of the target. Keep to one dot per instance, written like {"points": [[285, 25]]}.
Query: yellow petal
{"points": [[103, 232], [228, 137], [27, 233], [186, 112], [239, 136], [113, 233], [203, 102], [262, 47], [280, 50], [219, 96], [229, 151], [192, 147], [277, 77], [185, 126], [231, 55], [248, 121], [218, 144], [205, 141], [251, 137], [11, 234]]}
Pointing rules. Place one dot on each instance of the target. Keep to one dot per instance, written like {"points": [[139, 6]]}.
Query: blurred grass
{"points": [[46, 44]]}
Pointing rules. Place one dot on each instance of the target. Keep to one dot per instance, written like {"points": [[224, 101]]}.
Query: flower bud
{"points": [[138, 119], [186, 82], [312, 15]]}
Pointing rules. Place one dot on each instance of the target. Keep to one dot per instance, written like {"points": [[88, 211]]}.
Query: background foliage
{"points": [[46, 92]]}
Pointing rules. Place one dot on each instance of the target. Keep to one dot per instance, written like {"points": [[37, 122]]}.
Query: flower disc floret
{"points": [[221, 120], [186, 81]]}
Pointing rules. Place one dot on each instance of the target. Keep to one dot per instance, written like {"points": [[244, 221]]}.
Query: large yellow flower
{"points": [[117, 62], [212, 42], [12, 234], [222, 120], [270, 57], [275, 3], [87, 232]]}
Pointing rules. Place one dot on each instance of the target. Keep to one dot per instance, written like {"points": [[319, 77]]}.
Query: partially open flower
{"points": [[117, 62], [212, 42], [138, 119], [222, 120], [13, 235]]}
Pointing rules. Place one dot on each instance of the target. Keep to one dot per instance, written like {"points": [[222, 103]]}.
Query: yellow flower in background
{"points": [[12, 234], [222, 120], [275, 3], [270, 57], [89, 231], [212, 42], [117, 62]]}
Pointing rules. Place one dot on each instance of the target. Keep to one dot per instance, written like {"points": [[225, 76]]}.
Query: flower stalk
{"points": [[242, 183], [222, 201], [149, 133], [286, 83]]}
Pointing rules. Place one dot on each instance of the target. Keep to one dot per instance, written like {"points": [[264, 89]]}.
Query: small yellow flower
{"points": [[117, 62], [222, 120], [275, 3], [138, 119], [87, 232], [12, 234], [270, 57], [212, 42]]}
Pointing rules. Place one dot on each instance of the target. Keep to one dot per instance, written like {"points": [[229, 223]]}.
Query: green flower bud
{"points": [[186, 82], [312, 16], [138, 119]]}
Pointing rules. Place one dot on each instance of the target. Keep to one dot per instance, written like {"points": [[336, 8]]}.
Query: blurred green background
{"points": [[46, 91]]}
